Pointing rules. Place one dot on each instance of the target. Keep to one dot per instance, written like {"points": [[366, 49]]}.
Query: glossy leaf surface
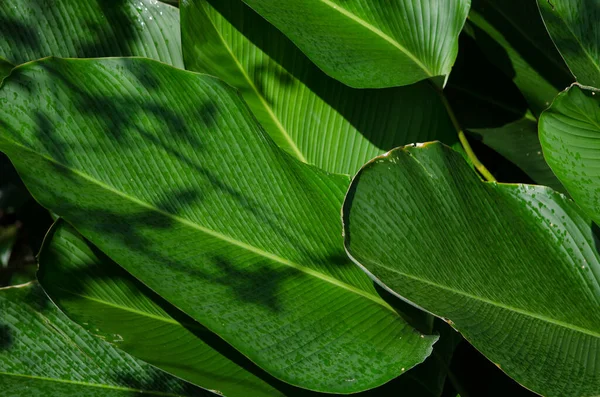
{"points": [[372, 44], [573, 26], [570, 136], [107, 301], [43, 353], [513, 267], [33, 29], [175, 181], [309, 114]]}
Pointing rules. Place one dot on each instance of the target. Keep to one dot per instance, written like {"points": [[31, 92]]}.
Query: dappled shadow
{"points": [[373, 112], [94, 29]]}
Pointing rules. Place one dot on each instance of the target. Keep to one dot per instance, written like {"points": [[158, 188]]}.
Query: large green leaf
{"points": [[573, 26], [513, 267], [512, 35], [372, 44], [42, 353], [169, 174], [312, 116], [32, 29], [107, 301], [96, 293], [570, 136]]}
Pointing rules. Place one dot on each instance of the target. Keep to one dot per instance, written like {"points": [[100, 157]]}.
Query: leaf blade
{"points": [[488, 236]]}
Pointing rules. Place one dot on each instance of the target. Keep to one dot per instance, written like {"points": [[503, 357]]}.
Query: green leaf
{"points": [[96, 293], [169, 174], [518, 142], [33, 29], [107, 301], [372, 44], [573, 26], [310, 115], [570, 136], [513, 267], [512, 35], [43, 353]]}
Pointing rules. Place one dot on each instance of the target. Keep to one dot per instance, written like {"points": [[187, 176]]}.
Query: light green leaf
{"points": [[512, 35], [570, 136], [573, 26], [107, 301], [372, 44], [169, 174], [33, 29], [513, 267], [310, 115], [42, 353]]}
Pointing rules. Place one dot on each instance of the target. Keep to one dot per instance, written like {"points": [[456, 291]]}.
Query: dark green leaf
{"points": [[99, 295], [32, 29], [573, 26], [570, 136], [42, 353], [512, 35], [168, 173], [513, 267]]}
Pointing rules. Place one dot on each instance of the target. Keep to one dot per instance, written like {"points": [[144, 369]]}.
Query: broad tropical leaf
{"points": [[42, 353], [372, 44], [169, 174], [512, 35], [309, 114], [33, 29], [514, 268], [103, 298], [573, 26], [570, 136], [99, 295]]}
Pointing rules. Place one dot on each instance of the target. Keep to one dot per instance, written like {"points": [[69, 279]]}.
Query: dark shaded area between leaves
{"points": [[477, 376], [30, 221], [538, 52]]}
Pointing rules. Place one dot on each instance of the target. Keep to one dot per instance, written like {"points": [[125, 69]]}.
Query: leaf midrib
{"points": [[585, 51], [85, 384], [481, 299], [168, 320], [379, 33], [215, 234], [262, 100]]}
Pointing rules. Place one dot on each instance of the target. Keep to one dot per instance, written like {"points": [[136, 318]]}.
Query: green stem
{"points": [[487, 175]]}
